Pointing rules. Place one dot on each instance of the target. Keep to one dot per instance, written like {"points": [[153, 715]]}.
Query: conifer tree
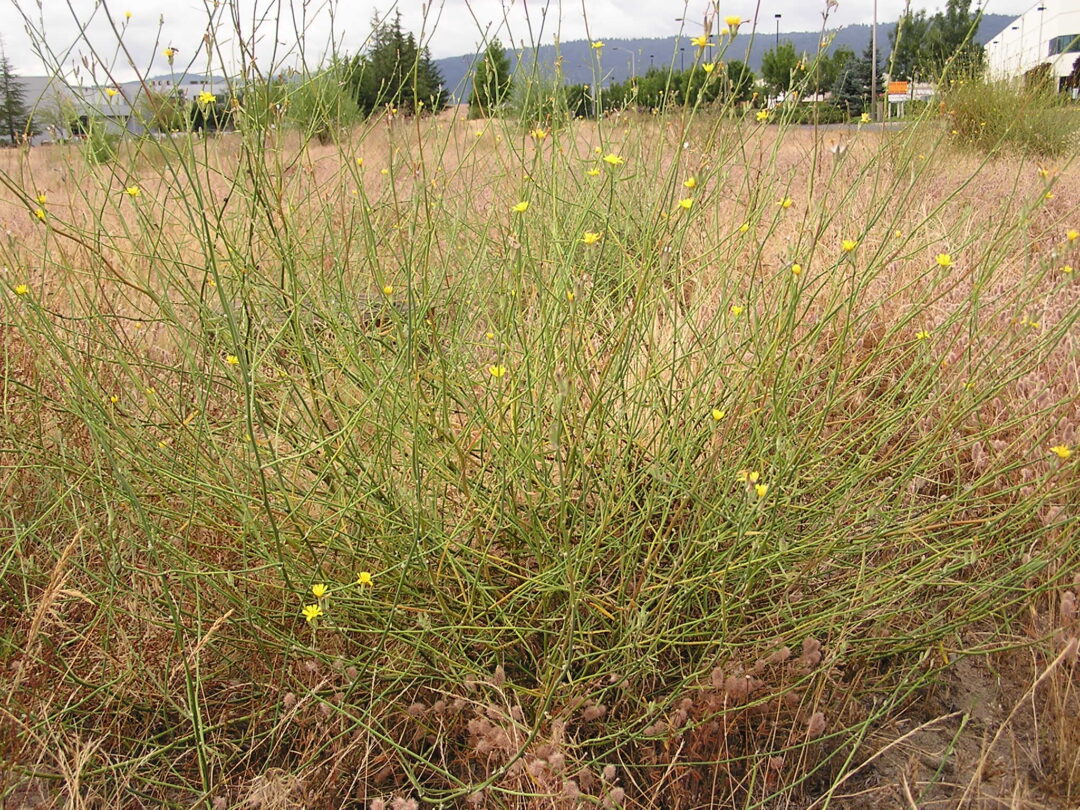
{"points": [[491, 81], [14, 119]]}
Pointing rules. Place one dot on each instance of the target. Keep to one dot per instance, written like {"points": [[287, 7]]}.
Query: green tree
{"points": [[909, 42], [739, 81], [14, 118], [824, 70], [395, 72], [323, 105], [491, 81], [851, 91], [780, 68], [950, 37]]}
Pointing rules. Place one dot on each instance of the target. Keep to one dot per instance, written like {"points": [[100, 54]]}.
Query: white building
{"points": [[1048, 32]]}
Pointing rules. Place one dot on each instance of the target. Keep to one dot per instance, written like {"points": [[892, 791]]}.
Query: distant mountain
{"points": [[621, 57]]}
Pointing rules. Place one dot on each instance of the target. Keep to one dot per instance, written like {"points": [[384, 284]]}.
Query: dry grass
{"points": [[575, 601]]}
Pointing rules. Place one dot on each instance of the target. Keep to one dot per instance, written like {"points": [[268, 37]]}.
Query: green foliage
{"points": [[491, 81], [851, 90], [925, 45], [818, 112], [908, 40], [260, 105], [737, 81], [395, 72], [780, 67], [657, 88], [99, 146], [323, 104], [825, 68], [996, 116], [165, 112], [540, 100], [14, 118]]}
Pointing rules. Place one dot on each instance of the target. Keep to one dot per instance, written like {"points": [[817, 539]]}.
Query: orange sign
{"points": [[898, 88]]}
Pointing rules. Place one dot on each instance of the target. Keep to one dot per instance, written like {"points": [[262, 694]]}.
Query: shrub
{"points": [[322, 105], [999, 115], [816, 112], [100, 146]]}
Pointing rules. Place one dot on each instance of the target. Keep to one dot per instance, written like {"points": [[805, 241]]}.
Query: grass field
{"points": [[330, 480]]}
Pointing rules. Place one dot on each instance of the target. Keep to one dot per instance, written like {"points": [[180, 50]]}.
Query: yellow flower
{"points": [[686, 203], [311, 612], [497, 371], [690, 182], [598, 150], [709, 67], [570, 296], [922, 334], [701, 42], [1048, 195], [359, 161], [749, 476], [613, 160], [42, 199], [1072, 235], [127, 15], [732, 21], [489, 335], [737, 310], [1044, 173], [206, 97], [39, 213], [384, 171], [363, 578], [388, 289], [744, 227], [318, 591], [849, 245], [598, 45], [21, 289], [169, 53], [864, 118], [1062, 451], [761, 489], [718, 414], [727, 32], [944, 260], [898, 234], [539, 134], [593, 172], [1067, 269], [232, 359], [112, 92], [762, 115], [114, 399], [521, 207], [133, 191], [785, 203], [796, 269], [591, 237]]}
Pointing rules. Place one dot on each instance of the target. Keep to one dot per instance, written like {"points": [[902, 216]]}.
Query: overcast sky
{"points": [[452, 27]]}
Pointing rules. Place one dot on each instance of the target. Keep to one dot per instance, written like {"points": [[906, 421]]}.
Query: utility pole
{"points": [[873, 66]]}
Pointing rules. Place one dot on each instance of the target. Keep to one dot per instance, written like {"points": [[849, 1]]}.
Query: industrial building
{"points": [[1048, 33]]}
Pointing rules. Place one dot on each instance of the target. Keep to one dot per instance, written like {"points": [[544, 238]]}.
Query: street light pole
{"points": [[1041, 9], [777, 16]]}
